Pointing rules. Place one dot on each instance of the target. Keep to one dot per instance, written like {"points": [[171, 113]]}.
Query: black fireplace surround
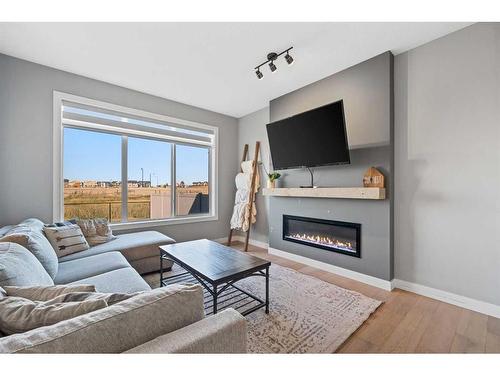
{"points": [[337, 236]]}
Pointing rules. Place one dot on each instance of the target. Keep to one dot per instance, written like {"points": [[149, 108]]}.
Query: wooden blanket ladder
{"points": [[252, 188]]}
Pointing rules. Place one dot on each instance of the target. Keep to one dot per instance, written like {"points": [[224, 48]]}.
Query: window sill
{"points": [[163, 222]]}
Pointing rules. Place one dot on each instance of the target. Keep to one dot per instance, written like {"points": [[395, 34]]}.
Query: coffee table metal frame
{"points": [[218, 287]]}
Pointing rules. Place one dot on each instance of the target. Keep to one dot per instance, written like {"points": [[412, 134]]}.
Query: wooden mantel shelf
{"points": [[328, 192]]}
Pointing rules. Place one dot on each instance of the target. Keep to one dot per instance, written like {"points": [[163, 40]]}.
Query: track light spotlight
{"points": [[271, 57]]}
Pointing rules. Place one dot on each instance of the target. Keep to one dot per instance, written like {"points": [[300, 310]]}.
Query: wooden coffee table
{"points": [[217, 268]]}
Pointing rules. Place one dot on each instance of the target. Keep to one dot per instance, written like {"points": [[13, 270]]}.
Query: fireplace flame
{"points": [[323, 240]]}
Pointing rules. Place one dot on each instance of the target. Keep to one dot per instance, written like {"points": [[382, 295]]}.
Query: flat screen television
{"points": [[310, 139]]}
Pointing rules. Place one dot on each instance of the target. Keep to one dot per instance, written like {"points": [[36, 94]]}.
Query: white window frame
{"points": [[58, 160]]}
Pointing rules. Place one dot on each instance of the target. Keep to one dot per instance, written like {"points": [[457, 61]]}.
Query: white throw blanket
{"points": [[241, 212]]}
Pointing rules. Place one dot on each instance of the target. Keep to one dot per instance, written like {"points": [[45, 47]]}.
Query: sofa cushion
{"points": [[45, 293], [19, 314], [19, 267], [117, 328], [223, 333], [132, 245], [33, 223], [37, 243], [66, 240], [123, 280], [83, 268]]}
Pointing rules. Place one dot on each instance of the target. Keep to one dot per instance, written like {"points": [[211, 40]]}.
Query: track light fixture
{"points": [[271, 57]]}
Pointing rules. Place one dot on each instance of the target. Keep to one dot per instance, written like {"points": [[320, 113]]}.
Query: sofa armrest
{"points": [[225, 332]]}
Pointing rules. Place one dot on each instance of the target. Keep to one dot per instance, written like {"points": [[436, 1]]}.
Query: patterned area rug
{"points": [[307, 315]]}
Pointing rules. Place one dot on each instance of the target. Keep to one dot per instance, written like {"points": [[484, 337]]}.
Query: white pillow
{"points": [[96, 231], [67, 239]]}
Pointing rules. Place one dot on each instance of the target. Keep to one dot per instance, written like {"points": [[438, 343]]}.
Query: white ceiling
{"points": [[210, 65]]}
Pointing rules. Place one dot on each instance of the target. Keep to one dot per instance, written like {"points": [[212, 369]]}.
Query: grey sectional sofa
{"points": [[179, 326], [140, 249], [114, 266]]}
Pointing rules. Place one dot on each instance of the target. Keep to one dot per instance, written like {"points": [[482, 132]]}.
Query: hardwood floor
{"points": [[407, 322]]}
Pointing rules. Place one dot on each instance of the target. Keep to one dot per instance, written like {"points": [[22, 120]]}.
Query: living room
{"points": [[249, 187]]}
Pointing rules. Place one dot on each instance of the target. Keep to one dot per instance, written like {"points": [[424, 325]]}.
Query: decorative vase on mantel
{"points": [[272, 180]]}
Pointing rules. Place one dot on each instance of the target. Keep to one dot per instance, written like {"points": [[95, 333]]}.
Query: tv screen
{"points": [[309, 139]]}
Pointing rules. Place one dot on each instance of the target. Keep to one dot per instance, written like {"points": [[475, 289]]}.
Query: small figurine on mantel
{"points": [[373, 178]]}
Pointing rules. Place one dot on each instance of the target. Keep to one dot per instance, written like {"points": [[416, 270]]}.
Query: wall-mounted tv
{"points": [[310, 139]]}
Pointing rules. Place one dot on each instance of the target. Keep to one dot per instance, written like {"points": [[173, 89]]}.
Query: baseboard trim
{"points": [[253, 242], [370, 280], [451, 298], [437, 294]]}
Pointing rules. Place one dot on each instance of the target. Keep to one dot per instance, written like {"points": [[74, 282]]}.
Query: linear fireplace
{"points": [[338, 236]]}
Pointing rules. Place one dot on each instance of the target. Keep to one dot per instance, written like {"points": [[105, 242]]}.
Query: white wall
{"points": [[447, 164], [252, 128]]}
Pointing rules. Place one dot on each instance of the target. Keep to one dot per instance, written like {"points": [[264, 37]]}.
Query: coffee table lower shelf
{"points": [[230, 296]]}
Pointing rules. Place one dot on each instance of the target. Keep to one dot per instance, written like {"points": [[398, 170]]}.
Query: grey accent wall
{"points": [[252, 128], [374, 216], [447, 137], [26, 91], [367, 91]]}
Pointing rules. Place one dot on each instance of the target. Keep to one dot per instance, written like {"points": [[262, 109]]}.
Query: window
{"points": [[132, 167], [191, 174], [92, 170], [149, 179]]}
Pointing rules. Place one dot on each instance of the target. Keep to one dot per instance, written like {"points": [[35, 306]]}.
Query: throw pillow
{"points": [[130, 323], [19, 267], [20, 314], [45, 293], [5, 229], [67, 239], [37, 243], [110, 298], [96, 231], [19, 238], [62, 223]]}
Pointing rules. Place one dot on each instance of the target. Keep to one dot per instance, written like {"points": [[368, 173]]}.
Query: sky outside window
{"points": [[97, 156], [91, 155]]}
